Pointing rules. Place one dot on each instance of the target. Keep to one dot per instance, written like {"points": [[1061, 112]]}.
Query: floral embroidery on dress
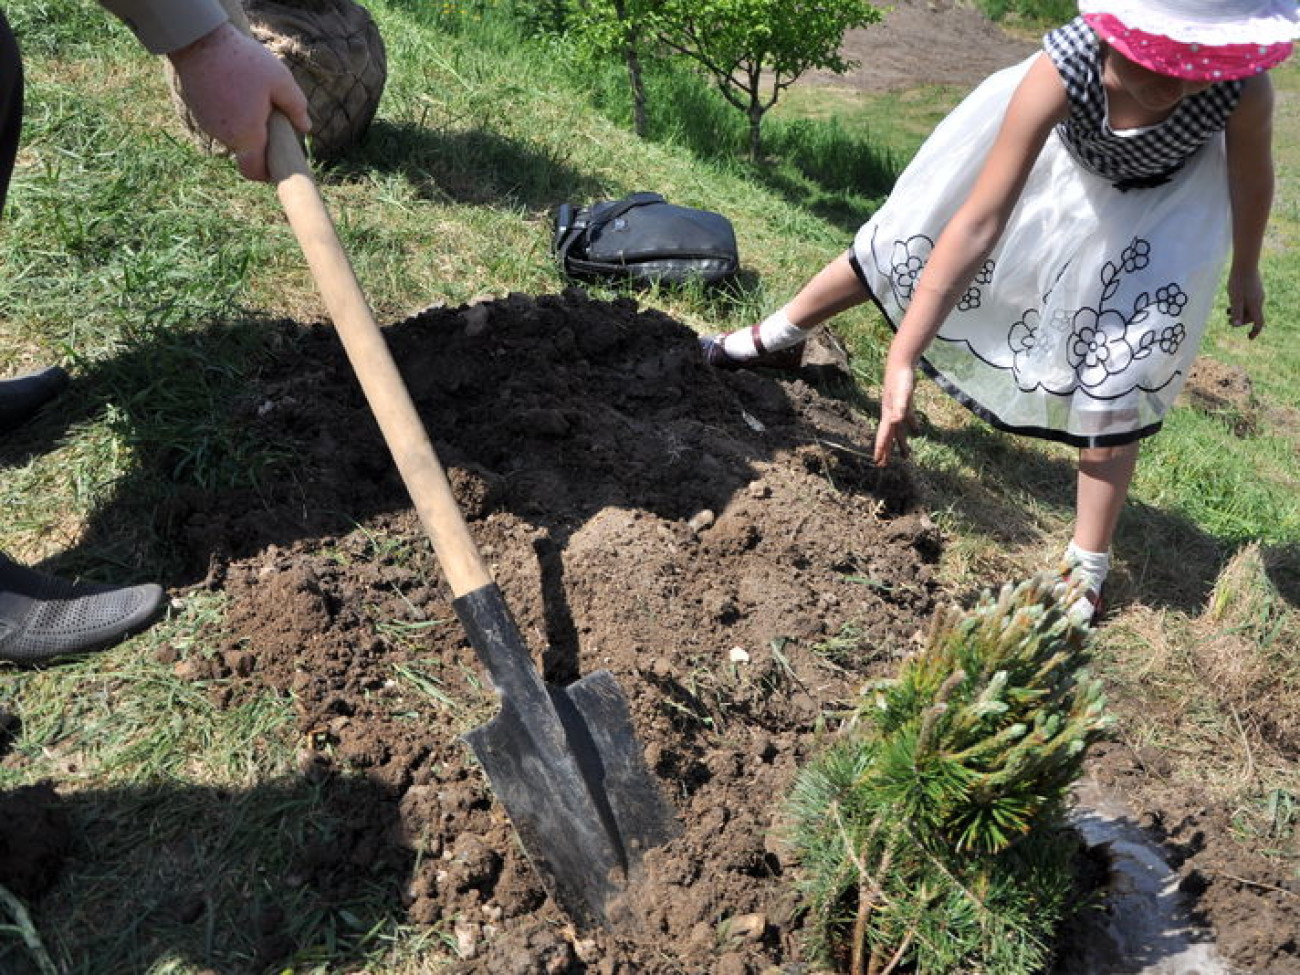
{"points": [[1096, 343], [1104, 342], [1028, 334], [908, 260], [971, 299], [1171, 338], [1099, 346], [1171, 299]]}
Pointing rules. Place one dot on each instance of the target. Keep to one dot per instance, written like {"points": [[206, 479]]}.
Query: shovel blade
{"points": [[642, 815], [566, 765], [560, 827]]}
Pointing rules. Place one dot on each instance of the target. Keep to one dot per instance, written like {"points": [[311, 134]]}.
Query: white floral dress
{"points": [[1084, 320]]}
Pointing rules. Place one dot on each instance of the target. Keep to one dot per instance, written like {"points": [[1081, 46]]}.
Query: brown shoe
{"points": [[786, 360]]}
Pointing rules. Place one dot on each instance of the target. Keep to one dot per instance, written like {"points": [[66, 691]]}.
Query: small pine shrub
{"points": [[931, 838]]}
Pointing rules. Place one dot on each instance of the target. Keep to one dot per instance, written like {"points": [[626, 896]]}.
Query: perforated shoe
{"points": [[22, 396], [43, 617]]}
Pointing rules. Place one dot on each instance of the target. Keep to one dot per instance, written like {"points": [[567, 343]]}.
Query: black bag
{"points": [[643, 237]]}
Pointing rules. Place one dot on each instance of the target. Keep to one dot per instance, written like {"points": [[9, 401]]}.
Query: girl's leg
{"points": [[1103, 481], [832, 290], [1104, 476]]}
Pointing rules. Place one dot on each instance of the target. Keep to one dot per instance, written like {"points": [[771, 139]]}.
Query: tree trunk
{"points": [[633, 62], [755, 132]]}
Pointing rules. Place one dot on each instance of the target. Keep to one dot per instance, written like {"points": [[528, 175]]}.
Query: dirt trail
{"points": [[937, 42]]}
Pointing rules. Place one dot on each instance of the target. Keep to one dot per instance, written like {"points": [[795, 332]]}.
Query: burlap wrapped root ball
{"points": [[336, 55]]}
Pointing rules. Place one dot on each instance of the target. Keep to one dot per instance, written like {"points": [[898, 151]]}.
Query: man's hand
{"points": [[231, 84]]}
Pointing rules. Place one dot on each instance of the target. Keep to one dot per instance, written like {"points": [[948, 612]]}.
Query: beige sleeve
{"points": [[164, 26]]}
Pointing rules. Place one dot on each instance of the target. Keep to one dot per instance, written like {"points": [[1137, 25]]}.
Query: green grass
{"points": [[152, 271], [1030, 11], [1236, 489]]}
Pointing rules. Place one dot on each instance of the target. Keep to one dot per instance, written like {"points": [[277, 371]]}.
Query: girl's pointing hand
{"points": [[897, 420]]}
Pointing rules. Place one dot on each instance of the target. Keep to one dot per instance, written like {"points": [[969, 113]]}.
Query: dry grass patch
{"points": [[1218, 694], [1247, 650]]}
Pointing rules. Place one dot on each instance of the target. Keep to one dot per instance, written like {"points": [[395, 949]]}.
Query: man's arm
{"points": [[229, 81], [165, 27]]}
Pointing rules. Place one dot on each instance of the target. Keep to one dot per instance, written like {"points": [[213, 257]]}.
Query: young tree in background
{"points": [[755, 49], [621, 28]]}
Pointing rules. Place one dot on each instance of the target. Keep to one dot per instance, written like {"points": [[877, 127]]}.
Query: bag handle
{"points": [[628, 203], [569, 230]]}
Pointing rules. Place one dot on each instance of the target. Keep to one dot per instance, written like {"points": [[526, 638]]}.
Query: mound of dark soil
{"points": [[711, 538]]}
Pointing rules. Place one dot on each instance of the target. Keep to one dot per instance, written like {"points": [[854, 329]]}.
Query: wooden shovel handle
{"points": [[372, 362], [389, 400]]}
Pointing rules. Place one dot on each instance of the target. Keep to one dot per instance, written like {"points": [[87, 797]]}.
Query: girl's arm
{"points": [[1249, 140], [1035, 109]]}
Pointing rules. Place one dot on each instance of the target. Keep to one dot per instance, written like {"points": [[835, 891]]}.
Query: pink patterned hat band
{"points": [[1189, 60]]}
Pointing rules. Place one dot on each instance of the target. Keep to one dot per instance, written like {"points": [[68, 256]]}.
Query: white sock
{"points": [[1088, 569], [774, 333]]}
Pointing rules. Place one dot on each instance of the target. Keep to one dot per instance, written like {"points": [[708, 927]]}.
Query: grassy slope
{"points": [[122, 244]]}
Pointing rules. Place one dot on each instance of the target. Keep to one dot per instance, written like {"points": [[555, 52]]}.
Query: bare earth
{"points": [[700, 534], [938, 43]]}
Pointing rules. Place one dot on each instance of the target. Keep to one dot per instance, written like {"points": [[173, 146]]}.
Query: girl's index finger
{"points": [[1256, 326]]}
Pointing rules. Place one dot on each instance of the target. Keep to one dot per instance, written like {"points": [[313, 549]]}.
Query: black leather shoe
{"points": [[43, 617], [22, 396]]}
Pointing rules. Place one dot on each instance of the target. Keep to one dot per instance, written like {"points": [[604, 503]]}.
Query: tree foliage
{"points": [[755, 49], [932, 835], [752, 49]]}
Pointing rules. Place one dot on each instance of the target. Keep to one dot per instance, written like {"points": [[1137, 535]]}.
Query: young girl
{"points": [[1061, 289]]}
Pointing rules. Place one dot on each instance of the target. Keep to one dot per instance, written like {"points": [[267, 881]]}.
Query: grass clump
{"points": [[932, 835], [1225, 684], [1249, 647], [1030, 11]]}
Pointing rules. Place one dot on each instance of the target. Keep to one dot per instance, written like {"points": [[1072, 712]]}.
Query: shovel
{"points": [[565, 762]]}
